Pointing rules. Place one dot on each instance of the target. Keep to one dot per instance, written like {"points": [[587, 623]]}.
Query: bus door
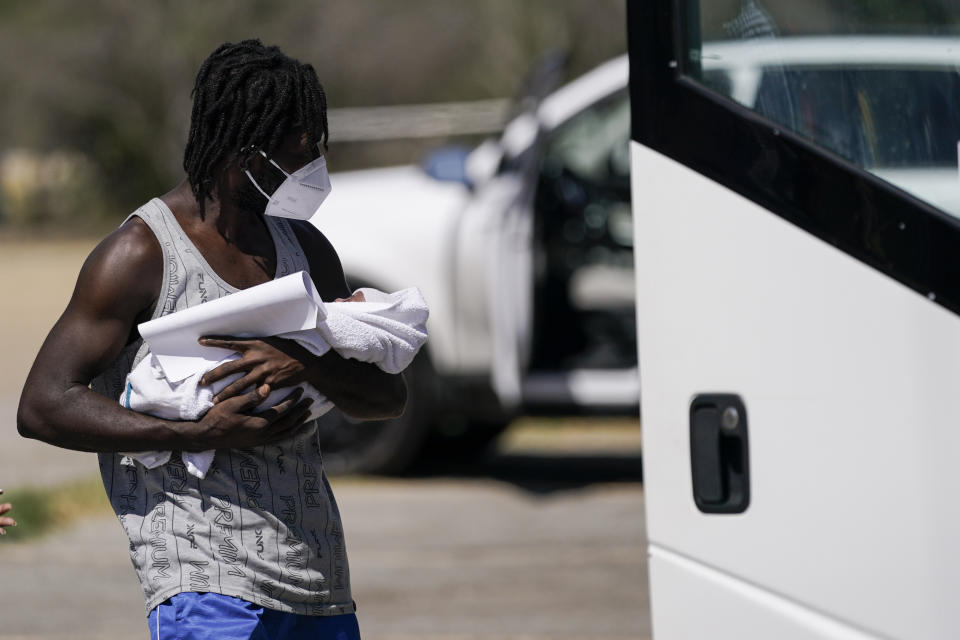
{"points": [[795, 180]]}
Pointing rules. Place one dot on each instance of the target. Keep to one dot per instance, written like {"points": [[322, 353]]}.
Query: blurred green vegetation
{"points": [[41, 510], [96, 96]]}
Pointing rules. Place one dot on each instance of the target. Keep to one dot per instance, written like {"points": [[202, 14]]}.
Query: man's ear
{"points": [[236, 163]]}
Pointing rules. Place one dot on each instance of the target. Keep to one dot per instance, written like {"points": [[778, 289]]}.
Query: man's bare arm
{"points": [[116, 287]]}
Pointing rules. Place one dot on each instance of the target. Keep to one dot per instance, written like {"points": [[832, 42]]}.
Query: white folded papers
{"points": [[287, 304]]}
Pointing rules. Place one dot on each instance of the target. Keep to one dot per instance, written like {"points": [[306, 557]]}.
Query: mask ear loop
{"points": [[247, 171], [265, 195]]}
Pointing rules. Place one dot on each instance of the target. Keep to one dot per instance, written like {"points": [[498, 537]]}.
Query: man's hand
{"points": [[273, 361], [230, 424], [359, 389]]}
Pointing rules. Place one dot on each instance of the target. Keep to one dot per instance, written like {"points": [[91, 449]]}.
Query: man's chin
{"points": [[249, 204]]}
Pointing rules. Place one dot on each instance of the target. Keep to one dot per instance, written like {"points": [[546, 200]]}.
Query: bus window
{"points": [[877, 88]]}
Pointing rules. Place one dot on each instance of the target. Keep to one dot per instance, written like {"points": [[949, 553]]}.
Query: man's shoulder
{"points": [[128, 262], [132, 245]]}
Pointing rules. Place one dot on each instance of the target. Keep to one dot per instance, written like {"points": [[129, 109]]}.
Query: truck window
{"points": [[584, 306], [594, 143]]}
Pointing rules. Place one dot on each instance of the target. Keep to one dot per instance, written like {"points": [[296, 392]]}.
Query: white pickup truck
{"points": [[523, 249]]}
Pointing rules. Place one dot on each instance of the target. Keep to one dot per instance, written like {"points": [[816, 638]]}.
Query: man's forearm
{"points": [[359, 389], [81, 419]]}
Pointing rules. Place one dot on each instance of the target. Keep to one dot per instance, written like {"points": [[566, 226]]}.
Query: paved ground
{"points": [[436, 558], [36, 280], [30, 462]]}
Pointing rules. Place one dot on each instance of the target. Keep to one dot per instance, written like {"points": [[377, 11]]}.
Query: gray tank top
{"points": [[263, 525]]}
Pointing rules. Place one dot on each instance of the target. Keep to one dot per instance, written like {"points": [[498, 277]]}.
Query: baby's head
{"points": [[357, 297]]}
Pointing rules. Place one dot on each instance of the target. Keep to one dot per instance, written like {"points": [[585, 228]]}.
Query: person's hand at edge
{"points": [[5, 521]]}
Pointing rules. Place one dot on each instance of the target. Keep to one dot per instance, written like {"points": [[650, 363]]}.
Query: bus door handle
{"points": [[719, 460]]}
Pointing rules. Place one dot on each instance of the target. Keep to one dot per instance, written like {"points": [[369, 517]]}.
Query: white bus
{"points": [[798, 304]]}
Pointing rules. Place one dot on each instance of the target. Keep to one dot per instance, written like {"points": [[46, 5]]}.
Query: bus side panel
{"points": [[695, 601], [848, 379]]}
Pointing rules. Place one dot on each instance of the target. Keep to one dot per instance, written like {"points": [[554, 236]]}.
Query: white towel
{"points": [[386, 329], [148, 391]]}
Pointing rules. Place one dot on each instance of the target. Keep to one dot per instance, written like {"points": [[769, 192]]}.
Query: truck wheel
{"points": [[382, 446], [465, 447]]}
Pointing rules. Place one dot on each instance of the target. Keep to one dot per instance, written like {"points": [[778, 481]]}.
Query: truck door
{"points": [[798, 303], [493, 256], [548, 238]]}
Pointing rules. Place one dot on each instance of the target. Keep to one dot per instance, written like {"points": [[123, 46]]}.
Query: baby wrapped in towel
{"points": [[371, 326]]}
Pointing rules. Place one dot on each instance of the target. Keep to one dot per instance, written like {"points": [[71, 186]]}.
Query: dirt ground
{"points": [[36, 280]]}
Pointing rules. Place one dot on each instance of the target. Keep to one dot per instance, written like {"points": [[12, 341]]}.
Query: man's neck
{"points": [[244, 229]]}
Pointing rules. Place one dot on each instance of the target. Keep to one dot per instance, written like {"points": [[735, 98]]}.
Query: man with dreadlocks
{"points": [[254, 549]]}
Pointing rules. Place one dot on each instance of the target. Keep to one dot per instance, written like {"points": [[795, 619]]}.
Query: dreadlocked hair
{"points": [[249, 96]]}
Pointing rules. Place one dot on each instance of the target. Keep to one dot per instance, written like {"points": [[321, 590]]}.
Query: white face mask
{"points": [[299, 196]]}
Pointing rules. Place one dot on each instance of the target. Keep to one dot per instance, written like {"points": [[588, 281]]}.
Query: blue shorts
{"points": [[211, 616]]}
